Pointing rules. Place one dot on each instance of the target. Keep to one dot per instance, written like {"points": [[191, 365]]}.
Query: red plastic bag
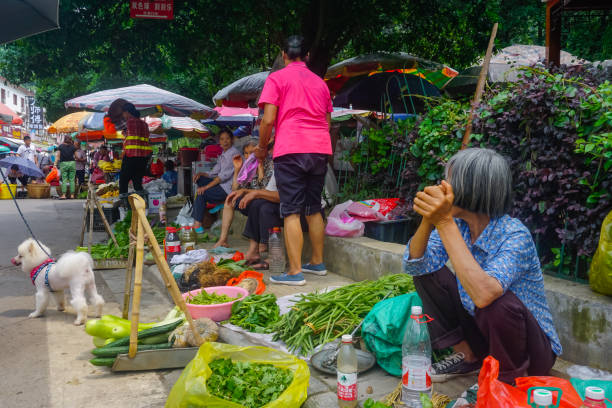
{"points": [[493, 393], [569, 399], [238, 256], [386, 204]]}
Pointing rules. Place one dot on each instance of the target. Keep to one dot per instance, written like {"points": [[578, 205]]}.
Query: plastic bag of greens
{"points": [[191, 390], [600, 275], [383, 330]]}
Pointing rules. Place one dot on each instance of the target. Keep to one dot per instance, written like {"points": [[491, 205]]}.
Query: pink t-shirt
{"points": [[303, 102]]}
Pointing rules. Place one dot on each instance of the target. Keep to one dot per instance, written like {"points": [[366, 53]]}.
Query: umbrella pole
{"points": [[479, 88]]}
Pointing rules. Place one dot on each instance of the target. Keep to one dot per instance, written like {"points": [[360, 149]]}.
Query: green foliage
{"points": [[256, 313], [439, 135], [595, 131]]}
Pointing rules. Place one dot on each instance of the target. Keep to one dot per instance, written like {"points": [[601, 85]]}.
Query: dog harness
{"points": [[46, 265]]}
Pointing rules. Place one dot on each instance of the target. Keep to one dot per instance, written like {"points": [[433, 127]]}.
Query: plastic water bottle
{"points": [[416, 360], [594, 398], [542, 399], [347, 373], [277, 252]]}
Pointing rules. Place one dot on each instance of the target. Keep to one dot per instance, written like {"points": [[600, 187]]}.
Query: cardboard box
{"points": [[155, 201]]}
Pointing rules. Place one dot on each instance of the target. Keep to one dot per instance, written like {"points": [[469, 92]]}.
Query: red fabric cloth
{"points": [[136, 142]]}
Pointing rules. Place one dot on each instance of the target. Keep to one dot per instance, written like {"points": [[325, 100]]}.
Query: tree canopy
{"points": [[211, 43]]}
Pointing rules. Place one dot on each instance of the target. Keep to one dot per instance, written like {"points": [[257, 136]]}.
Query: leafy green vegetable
{"points": [[205, 298], [370, 403], [250, 384], [234, 266], [121, 230], [256, 313], [318, 318], [425, 401]]}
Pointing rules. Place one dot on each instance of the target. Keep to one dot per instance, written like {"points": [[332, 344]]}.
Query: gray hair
{"points": [[481, 180]]}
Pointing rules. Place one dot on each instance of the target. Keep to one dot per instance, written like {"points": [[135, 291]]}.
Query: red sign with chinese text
{"points": [[155, 9]]}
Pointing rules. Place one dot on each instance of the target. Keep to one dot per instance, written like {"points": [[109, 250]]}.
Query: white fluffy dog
{"points": [[73, 270]]}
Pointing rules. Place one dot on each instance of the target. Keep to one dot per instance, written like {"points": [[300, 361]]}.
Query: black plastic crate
{"points": [[397, 231], [111, 214]]}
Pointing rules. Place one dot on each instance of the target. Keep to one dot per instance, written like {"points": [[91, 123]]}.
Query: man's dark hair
{"points": [[295, 47], [14, 167], [169, 165], [26, 138]]}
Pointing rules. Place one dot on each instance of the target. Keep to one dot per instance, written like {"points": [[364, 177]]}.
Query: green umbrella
{"points": [[400, 62]]}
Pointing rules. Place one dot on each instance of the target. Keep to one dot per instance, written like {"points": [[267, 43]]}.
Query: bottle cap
{"points": [[416, 310], [595, 393], [347, 338], [542, 397]]}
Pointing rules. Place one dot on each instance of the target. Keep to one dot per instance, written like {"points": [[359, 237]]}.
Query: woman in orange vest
{"points": [[136, 147]]}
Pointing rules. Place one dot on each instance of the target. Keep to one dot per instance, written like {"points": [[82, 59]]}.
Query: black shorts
{"points": [[300, 178]]}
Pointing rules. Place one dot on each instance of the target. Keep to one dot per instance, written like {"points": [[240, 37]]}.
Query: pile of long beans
{"points": [[318, 318]]}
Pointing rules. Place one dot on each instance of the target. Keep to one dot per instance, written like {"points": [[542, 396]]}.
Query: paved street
{"points": [[45, 360]]}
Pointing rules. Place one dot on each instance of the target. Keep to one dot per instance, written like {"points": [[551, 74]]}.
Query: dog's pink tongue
{"points": [[13, 261]]}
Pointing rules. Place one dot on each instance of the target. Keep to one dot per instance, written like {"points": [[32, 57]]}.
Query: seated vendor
{"points": [[493, 302], [258, 182], [214, 187], [170, 176], [262, 208], [15, 174]]}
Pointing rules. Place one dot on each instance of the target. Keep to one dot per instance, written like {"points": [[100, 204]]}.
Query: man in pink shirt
{"points": [[297, 104]]}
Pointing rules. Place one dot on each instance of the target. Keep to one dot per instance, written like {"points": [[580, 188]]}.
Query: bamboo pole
{"points": [[138, 208], [479, 88], [137, 289], [104, 220], [130, 267]]}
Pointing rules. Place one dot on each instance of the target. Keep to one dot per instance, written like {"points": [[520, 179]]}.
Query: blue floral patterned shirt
{"points": [[505, 251]]}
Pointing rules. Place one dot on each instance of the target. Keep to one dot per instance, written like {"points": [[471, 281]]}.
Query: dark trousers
{"points": [[300, 178], [505, 329], [263, 215], [215, 195], [134, 169], [80, 175]]}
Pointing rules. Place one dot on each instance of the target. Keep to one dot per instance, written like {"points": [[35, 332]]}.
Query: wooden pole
{"points": [[479, 87], [137, 289], [138, 208], [84, 225], [104, 220], [130, 267], [91, 217]]}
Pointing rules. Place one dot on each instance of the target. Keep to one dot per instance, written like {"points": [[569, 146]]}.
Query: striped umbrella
{"points": [[144, 97]]}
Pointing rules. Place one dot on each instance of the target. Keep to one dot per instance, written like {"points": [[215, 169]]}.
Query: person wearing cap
{"points": [[297, 103], [136, 146], [493, 301]]}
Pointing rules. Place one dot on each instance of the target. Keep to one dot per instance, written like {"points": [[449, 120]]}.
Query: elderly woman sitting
{"points": [[214, 187], [493, 302]]}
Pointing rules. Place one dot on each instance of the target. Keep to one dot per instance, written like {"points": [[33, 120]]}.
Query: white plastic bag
{"points": [[341, 224], [184, 216]]}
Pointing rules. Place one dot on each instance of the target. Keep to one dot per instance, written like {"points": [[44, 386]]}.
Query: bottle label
{"points": [[173, 247], [416, 376], [347, 386]]}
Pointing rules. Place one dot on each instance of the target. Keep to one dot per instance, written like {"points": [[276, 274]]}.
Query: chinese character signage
{"points": [[35, 114], [155, 9]]}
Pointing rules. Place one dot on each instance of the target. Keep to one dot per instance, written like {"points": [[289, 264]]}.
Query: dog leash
{"points": [[23, 217]]}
